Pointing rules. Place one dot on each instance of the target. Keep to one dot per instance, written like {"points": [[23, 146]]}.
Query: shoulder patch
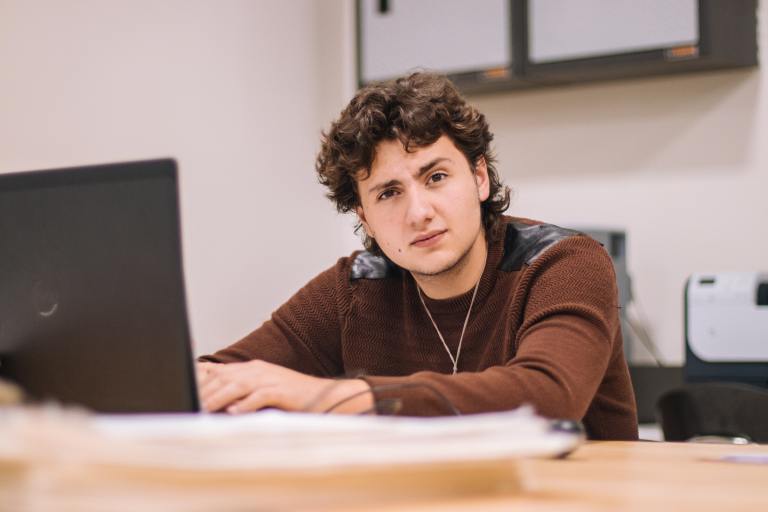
{"points": [[524, 243], [370, 266]]}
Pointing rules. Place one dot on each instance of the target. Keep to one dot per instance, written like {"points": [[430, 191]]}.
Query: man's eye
{"points": [[438, 176], [386, 194]]}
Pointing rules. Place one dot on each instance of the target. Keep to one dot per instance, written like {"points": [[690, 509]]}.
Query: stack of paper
{"points": [[60, 460]]}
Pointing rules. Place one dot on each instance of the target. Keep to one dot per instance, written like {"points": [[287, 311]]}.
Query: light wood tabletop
{"points": [[643, 476], [607, 475]]}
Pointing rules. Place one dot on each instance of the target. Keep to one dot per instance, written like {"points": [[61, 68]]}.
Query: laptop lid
{"points": [[92, 304]]}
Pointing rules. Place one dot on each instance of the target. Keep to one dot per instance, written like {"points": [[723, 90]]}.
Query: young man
{"points": [[453, 307]]}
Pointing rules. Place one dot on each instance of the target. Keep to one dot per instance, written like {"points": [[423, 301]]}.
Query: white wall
{"points": [[235, 90]]}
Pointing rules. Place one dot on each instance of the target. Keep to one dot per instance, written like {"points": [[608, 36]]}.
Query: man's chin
{"points": [[433, 268]]}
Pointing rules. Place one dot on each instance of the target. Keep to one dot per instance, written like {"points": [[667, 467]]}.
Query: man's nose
{"points": [[420, 207]]}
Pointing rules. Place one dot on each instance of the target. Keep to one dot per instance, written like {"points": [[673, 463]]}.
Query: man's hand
{"points": [[253, 385]]}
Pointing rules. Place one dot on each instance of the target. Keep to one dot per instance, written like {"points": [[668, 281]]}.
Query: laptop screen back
{"points": [[92, 305]]}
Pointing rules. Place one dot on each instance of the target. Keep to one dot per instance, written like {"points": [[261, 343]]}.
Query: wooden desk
{"points": [[642, 476]]}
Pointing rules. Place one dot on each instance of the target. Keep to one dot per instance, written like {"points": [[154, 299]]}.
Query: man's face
{"points": [[423, 207]]}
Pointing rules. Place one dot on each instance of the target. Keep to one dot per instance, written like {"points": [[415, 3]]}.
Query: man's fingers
{"points": [[211, 384], [216, 400], [216, 376], [253, 385], [259, 399]]}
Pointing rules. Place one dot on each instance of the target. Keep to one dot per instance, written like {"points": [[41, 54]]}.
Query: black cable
{"points": [[638, 326], [390, 406], [320, 395], [330, 387], [347, 399], [645, 339], [390, 387]]}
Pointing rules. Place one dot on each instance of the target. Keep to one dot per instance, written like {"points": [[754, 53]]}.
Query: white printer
{"points": [[726, 327]]}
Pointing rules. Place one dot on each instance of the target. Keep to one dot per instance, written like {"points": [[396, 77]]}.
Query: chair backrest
{"points": [[715, 409]]}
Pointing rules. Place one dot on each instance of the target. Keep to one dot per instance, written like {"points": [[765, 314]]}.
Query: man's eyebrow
{"points": [[426, 167], [382, 186]]}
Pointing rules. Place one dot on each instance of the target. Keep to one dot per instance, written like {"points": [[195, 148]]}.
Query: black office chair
{"points": [[726, 410]]}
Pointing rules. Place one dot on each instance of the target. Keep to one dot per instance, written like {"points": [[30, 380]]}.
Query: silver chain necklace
{"points": [[455, 360]]}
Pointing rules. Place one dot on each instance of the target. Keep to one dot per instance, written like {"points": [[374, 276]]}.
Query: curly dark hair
{"points": [[416, 109]]}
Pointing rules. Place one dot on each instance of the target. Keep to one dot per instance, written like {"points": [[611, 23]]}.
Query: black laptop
{"points": [[92, 305]]}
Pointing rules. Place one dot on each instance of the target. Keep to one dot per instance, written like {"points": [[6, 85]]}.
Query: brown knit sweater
{"points": [[544, 330]]}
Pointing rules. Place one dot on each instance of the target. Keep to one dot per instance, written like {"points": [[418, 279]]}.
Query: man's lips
{"points": [[428, 238]]}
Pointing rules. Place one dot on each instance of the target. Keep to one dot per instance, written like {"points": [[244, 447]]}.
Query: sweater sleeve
{"points": [[303, 334], [563, 344]]}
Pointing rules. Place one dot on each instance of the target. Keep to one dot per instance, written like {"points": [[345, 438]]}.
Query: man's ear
{"points": [[481, 179], [361, 216]]}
